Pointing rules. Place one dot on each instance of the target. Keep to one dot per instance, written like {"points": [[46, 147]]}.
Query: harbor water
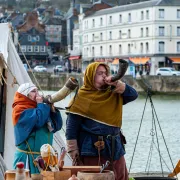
{"points": [[149, 149]]}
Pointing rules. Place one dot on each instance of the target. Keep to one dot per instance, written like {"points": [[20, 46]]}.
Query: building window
{"points": [[161, 46], [36, 48], [29, 48], [110, 49], [129, 48], [101, 21], [120, 18], [76, 48], [142, 15], [178, 31], [86, 24], [147, 14], [161, 31], [142, 32], [129, 17], [141, 50], [42, 48], [178, 13], [178, 46], [110, 19], [110, 35], [37, 38], [93, 50], [34, 39], [85, 39], [93, 23], [147, 47], [76, 39], [101, 36], [29, 38], [161, 13], [23, 49], [120, 49], [129, 33], [101, 50], [92, 37], [147, 32], [120, 34]]}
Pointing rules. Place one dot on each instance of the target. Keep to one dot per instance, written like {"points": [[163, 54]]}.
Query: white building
{"points": [[141, 32], [75, 54]]}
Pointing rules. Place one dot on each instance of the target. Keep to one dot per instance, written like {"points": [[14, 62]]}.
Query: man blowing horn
{"points": [[93, 130]]}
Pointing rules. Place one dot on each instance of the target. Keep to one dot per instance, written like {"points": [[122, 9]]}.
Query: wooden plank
{"points": [[75, 169]]}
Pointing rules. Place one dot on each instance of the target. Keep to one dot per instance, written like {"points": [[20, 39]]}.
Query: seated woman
{"points": [[34, 124]]}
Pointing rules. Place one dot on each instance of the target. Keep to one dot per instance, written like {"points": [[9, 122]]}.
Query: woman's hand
{"points": [[39, 99]]}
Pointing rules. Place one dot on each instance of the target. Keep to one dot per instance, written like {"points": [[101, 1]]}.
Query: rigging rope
{"points": [[151, 147], [153, 134], [162, 133], [59, 143], [153, 121], [149, 158], [138, 134]]}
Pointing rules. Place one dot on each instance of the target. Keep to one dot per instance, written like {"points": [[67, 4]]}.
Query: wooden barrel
{"points": [[89, 175], [10, 174]]}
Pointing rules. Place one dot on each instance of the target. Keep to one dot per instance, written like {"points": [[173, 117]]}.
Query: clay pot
{"points": [[89, 175]]}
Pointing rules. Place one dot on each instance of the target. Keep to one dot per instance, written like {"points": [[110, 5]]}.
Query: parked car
{"points": [[40, 68], [58, 68], [167, 71]]}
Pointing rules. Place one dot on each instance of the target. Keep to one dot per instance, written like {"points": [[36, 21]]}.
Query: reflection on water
{"points": [[167, 109]]}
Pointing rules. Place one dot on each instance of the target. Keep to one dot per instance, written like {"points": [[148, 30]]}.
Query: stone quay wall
{"points": [[158, 84]]}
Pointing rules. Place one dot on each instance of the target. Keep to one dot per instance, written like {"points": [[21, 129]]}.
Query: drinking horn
{"points": [[123, 65], [69, 86]]}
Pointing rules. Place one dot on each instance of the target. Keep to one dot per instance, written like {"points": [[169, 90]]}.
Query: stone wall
{"points": [[164, 84], [51, 82], [158, 84]]}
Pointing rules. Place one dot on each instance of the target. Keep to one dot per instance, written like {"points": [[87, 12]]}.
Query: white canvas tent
{"points": [[14, 70]]}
